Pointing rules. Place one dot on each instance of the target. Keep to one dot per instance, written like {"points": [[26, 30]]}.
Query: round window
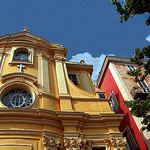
{"points": [[17, 98]]}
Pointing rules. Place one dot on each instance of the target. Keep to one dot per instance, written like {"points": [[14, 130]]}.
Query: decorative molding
{"points": [[27, 146], [20, 48], [19, 76], [78, 143], [95, 86], [46, 57], [51, 144], [59, 58], [118, 143]]}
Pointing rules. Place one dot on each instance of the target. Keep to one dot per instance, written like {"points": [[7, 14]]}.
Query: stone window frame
{"points": [[25, 99], [130, 139], [18, 85], [29, 50], [113, 97]]}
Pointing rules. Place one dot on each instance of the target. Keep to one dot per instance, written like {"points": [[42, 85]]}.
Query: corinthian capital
{"points": [[51, 144], [59, 58], [78, 143], [119, 143]]}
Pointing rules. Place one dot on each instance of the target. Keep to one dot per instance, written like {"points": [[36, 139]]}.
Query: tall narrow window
{"points": [[113, 102], [131, 142]]}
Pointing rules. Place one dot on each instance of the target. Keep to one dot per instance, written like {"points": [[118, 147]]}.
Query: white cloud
{"points": [[148, 38], [90, 60]]}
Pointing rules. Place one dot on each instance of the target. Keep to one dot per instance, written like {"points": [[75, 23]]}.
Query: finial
{"points": [[25, 29], [82, 62]]}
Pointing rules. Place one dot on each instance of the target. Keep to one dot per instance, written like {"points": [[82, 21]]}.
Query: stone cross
{"points": [[25, 29], [21, 66]]}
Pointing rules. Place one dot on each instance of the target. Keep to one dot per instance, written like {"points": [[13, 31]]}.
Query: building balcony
{"points": [[138, 92]]}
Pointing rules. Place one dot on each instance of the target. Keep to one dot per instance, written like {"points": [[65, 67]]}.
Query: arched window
{"points": [[21, 54]]}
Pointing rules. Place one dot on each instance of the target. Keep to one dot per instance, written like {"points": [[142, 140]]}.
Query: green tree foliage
{"points": [[140, 108], [129, 8], [142, 59]]}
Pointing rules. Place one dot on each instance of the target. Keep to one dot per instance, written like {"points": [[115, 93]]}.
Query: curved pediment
{"points": [[27, 38], [19, 76]]}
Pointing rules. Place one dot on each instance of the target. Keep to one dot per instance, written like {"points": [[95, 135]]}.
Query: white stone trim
{"points": [[127, 133], [61, 78], [114, 99], [30, 51], [127, 96], [121, 85]]}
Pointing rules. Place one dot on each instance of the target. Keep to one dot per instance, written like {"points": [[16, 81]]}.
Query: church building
{"points": [[47, 103]]}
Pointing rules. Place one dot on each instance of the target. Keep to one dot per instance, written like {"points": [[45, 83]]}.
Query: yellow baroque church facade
{"points": [[47, 103]]}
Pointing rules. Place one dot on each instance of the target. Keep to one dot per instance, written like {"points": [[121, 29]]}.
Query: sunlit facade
{"points": [[47, 103]]}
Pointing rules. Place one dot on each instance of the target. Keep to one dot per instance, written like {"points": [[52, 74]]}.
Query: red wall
{"points": [[108, 84]]}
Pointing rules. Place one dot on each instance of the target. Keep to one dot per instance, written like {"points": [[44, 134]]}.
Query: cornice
{"points": [[72, 65], [91, 99], [112, 117], [66, 118], [21, 132], [109, 59]]}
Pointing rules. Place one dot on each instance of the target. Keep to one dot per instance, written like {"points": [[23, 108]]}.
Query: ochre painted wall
{"points": [[32, 70]]}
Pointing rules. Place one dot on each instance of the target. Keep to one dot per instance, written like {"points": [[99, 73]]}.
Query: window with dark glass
{"points": [[99, 148], [21, 56], [102, 95], [131, 142], [113, 102], [73, 78], [17, 98]]}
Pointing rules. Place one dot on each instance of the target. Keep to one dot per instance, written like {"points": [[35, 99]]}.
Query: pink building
{"points": [[119, 87]]}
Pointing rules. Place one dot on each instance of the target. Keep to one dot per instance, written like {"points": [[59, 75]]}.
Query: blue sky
{"points": [[90, 29]]}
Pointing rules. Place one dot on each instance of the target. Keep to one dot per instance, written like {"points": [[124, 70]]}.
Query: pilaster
{"points": [[2, 60], [43, 73], [65, 98], [59, 60]]}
